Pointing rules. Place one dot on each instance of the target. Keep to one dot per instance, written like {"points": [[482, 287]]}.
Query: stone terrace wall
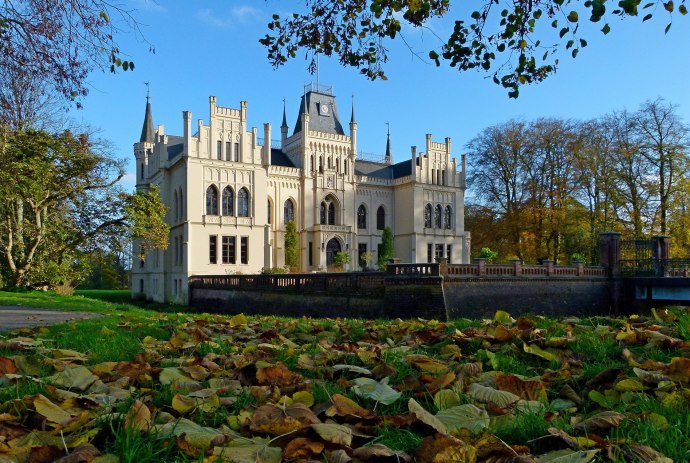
{"points": [[354, 295], [481, 297]]}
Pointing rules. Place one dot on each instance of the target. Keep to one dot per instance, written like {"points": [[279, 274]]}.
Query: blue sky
{"points": [[205, 47]]}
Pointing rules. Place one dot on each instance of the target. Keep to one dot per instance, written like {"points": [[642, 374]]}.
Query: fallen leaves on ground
{"points": [[266, 389]]}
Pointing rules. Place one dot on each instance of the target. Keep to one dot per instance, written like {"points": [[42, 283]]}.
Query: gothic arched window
{"points": [[331, 214], [227, 202], [427, 216], [289, 211], [268, 211], [362, 217], [212, 200], [380, 218], [322, 215], [447, 218], [243, 203], [437, 216], [175, 208]]}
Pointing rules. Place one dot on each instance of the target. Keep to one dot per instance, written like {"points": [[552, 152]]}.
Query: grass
{"points": [[118, 333]]}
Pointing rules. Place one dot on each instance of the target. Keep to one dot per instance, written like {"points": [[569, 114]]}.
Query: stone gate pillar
{"points": [[610, 252]]}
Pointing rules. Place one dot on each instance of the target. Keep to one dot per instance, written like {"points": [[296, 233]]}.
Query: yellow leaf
{"points": [[238, 320], [52, 412], [303, 397], [539, 352], [629, 385]]}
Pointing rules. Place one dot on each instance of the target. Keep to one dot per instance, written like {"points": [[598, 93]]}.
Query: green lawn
{"points": [[277, 389]]}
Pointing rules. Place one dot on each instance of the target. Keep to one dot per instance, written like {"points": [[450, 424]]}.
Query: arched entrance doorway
{"points": [[332, 248]]}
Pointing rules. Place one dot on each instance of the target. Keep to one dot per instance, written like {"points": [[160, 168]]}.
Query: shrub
{"points": [[488, 254]]}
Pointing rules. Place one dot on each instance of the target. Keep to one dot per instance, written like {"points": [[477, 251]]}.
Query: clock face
{"points": [[324, 109]]}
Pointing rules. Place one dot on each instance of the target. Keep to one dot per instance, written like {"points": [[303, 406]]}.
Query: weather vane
{"points": [[148, 89]]}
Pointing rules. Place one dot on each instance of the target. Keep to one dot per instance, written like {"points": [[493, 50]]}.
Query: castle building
{"points": [[231, 191]]}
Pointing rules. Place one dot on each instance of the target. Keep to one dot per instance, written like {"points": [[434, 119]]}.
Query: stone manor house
{"points": [[231, 191]]}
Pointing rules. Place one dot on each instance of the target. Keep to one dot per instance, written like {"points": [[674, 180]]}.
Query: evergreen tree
{"points": [[387, 250], [291, 246]]}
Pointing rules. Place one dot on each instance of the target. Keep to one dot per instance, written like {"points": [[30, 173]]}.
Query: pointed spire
{"points": [[284, 118], [389, 154], [147, 133], [352, 118]]}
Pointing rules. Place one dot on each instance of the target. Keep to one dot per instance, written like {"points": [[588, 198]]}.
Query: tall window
{"points": [[243, 203], [449, 252], [228, 201], [219, 154], [181, 205], [229, 252], [289, 211], [141, 166], [345, 166], [429, 253], [331, 214], [213, 249], [443, 177], [362, 217], [321, 164], [327, 211], [175, 208], [268, 211], [244, 250], [212, 200], [447, 217], [427, 216], [228, 153], [236, 152], [437, 216], [380, 218]]}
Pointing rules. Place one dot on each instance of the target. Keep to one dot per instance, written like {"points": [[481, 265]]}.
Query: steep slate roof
{"points": [[380, 170], [278, 158], [175, 146], [147, 133], [318, 121]]}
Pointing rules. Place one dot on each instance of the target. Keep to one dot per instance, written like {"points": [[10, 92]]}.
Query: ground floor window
{"points": [[361, 253], [213, 249], [244, 250], [449, 252], [311, 254], [141, 286], [439, 252], [155, 285], [429, 253], [228, 250]]}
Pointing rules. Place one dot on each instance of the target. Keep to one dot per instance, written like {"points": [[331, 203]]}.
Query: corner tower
{"points": [[144, 147]]}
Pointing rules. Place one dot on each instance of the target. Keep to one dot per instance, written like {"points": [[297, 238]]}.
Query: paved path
{"points": [[13, 317]]}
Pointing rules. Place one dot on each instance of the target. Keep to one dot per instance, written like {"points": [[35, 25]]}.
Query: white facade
{"points": [[229, 191]]}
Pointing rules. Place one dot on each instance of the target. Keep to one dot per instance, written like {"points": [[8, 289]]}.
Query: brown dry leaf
{"points": [[502, 334], [183, 404], [138, 417], [528, 389], [639, 453], [66, 354], [679, 370], [427, 364], [491, 448], [196, 372], [277, 420], [45, 454], [487, 395], [7, 366], [441, 382], [278, 375], [441, 448], [334, 433], [83, 454], [425, 417], [342, 406], [600, 421], [339, 456], [377, 451], [302, 447], [52, 412]]}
